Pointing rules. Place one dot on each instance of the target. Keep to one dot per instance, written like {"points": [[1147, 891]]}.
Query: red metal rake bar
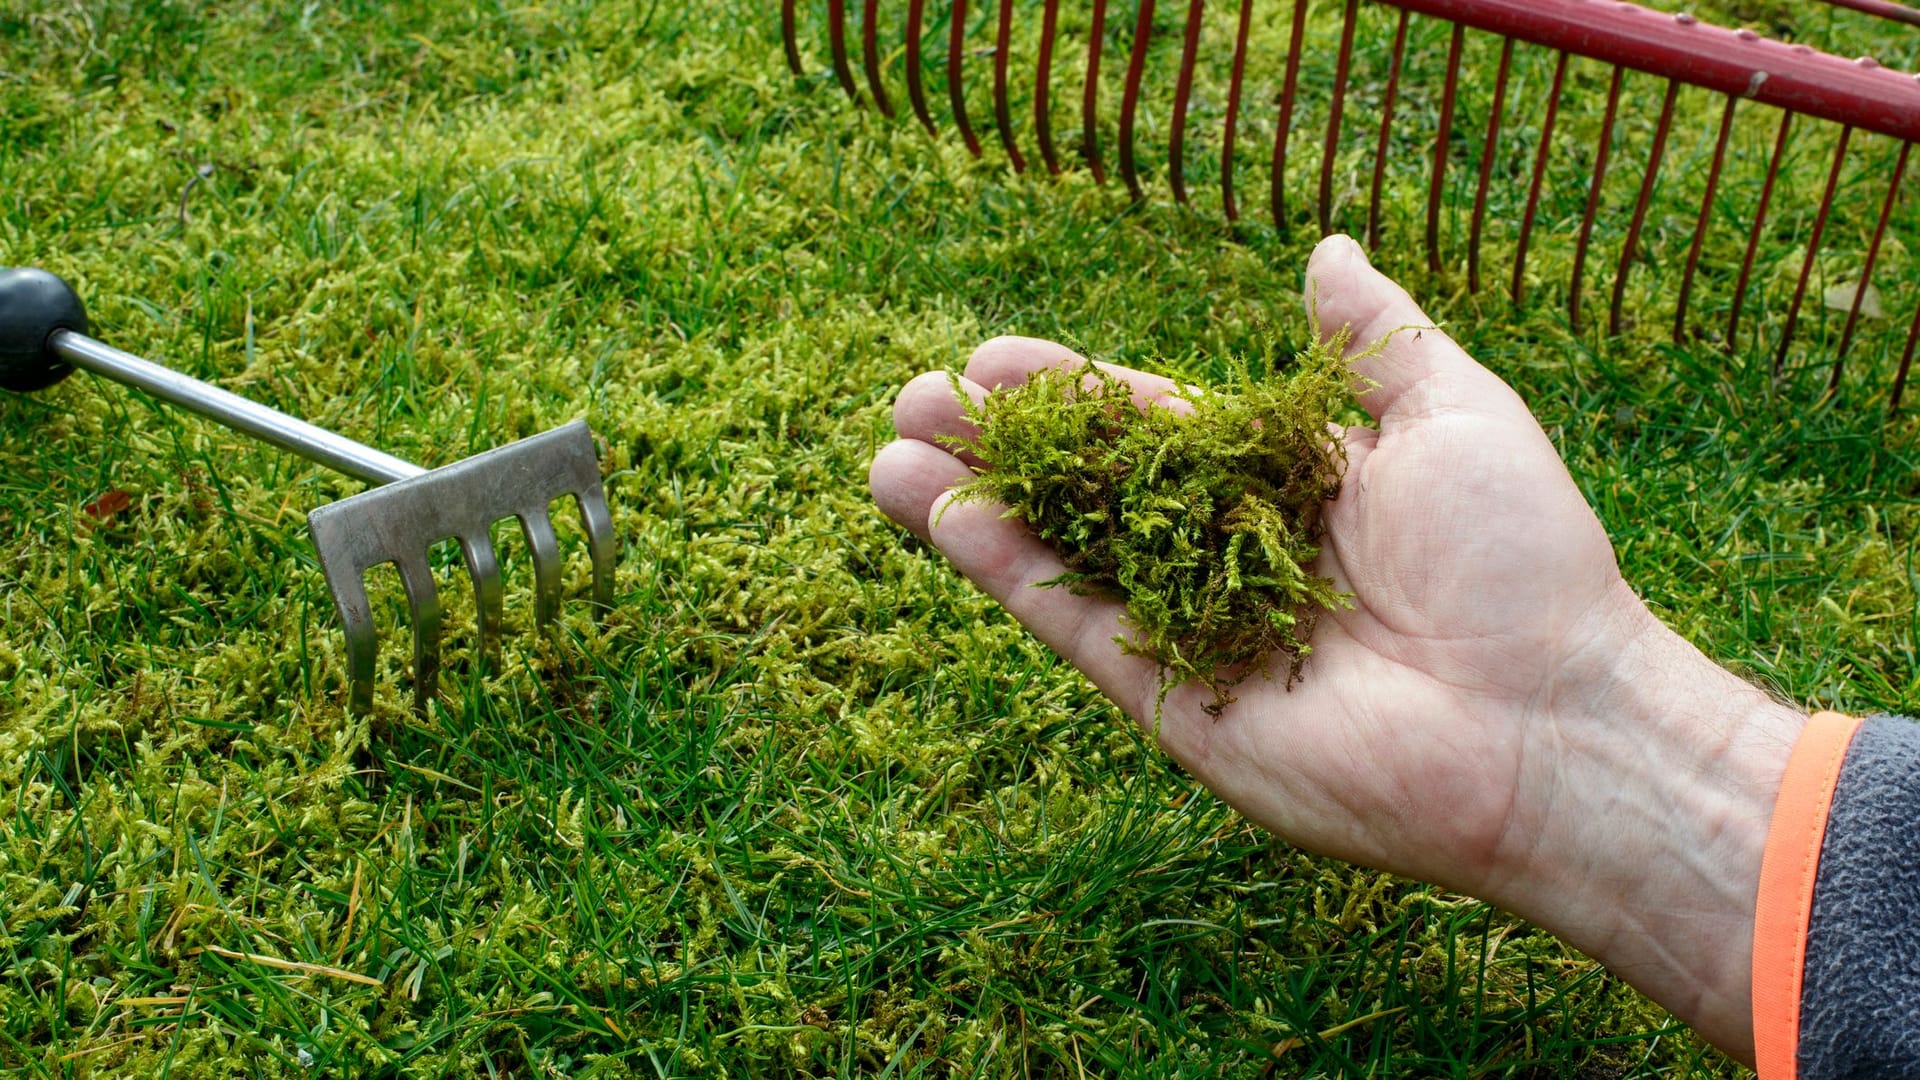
{"points": [[1739, 63]]}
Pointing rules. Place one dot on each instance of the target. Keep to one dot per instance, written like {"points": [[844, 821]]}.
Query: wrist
{"points": [[1664, 770]]}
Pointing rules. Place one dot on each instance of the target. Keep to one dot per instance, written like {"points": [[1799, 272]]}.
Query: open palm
{"points": [[1478, 574]]}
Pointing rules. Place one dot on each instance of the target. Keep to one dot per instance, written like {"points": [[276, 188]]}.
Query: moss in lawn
{"points": [[1201, 513], [808, 804]]}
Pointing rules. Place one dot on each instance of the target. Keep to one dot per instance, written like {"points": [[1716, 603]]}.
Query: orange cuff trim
{"points": [[1785, 904]]}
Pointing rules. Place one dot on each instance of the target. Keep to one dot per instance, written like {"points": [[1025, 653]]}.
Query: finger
{"points": [[928, 409], [1416, 368], [907, 476], [1011, 361], [1007, 562]]}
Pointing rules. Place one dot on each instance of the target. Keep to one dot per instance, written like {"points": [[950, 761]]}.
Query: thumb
{"points": [[1414, 366]]}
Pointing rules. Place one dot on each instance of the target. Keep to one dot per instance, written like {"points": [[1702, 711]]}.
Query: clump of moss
{"points": [[1202, 519]]}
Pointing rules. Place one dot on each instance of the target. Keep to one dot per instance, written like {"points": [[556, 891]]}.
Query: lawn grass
{"points": [[805, 803]]}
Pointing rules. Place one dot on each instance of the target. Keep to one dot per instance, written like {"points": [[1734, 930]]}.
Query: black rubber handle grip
{"points": [[33, 304]]}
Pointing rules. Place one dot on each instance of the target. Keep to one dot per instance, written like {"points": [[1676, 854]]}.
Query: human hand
{"points": [[1498, 713]]}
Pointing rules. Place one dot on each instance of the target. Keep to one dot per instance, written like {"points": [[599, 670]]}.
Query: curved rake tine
{"points": [[1813, 250], [1906, 361], [956, 86], [1042, 80], [484, 569], [1441, 145], [1386, 129], [1700, 227], [1284, 126], [1130, 96], [1631, 247], [1873, 254], [837, 34], [1886, 9], [1232, 122], [1759, 223], [870, 51], [1182, 95], [1487, 154], [423, 599], [789, 38], [1539, 173], [1002, 109], [1334, 109], [1593, 198], [545, 552], [916, 82], [598, 524], [363, 643], [1090, 100]]}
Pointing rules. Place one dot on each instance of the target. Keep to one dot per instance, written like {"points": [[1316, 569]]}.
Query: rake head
{"points": [[398, 523]]}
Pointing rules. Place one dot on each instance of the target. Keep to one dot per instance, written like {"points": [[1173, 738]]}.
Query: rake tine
{"points": [[1130, 95], [1386, 129], [1886, 9], [789, 38], [837, 34], [1539, 173], [870, 50], [484, 568], [1632, 245], [916, 85], [1002, 110], [1813, 250], [1043, 77], [363, 643], [1487, 153], [1873, 253], [1284, 126], [1906, 361], [1700, 227], [1441, 146], [1759, 223], [956, 86], [1090, 100], [423, 599], [545, 551], [1593, 197], [1182, 95], [1334, 108], [1232, 121], [600, 544]]}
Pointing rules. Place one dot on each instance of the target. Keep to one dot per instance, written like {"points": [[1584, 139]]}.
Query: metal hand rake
{"points": [[43, 337]]}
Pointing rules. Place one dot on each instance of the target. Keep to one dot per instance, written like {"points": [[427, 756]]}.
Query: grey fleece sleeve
{"points": [[1860, 995]]}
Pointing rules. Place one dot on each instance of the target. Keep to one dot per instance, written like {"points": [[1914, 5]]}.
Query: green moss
{"points": [[1203, 517]]}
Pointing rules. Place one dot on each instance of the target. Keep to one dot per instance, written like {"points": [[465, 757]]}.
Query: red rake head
{"points": [[1858, 97]]}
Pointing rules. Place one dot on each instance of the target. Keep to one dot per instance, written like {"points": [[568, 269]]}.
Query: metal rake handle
{"points": [[43, 337]]}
